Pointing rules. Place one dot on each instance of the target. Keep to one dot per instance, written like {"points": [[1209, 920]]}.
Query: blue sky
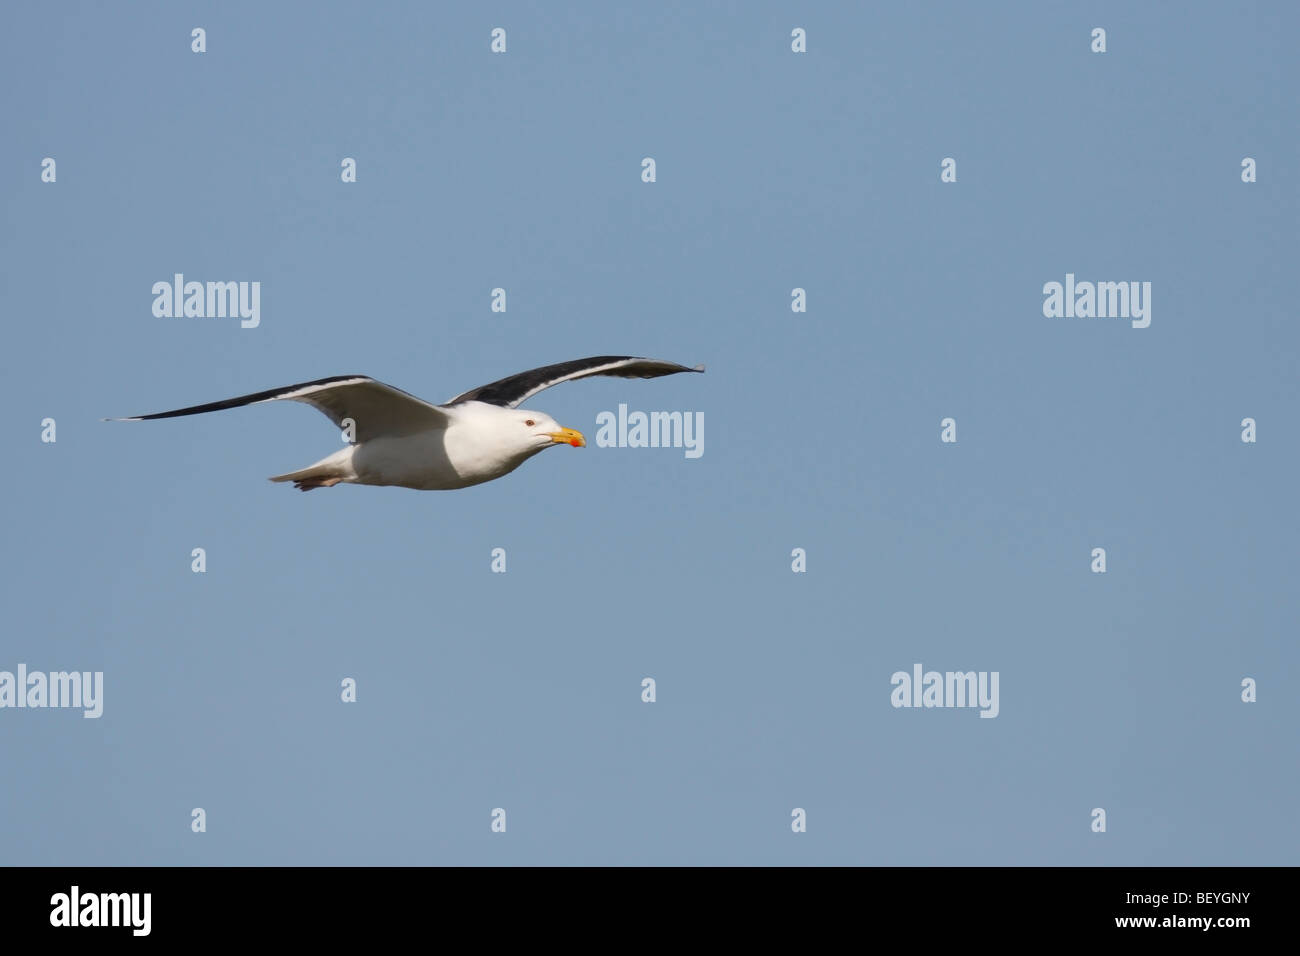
{"points": [[775, 170]]}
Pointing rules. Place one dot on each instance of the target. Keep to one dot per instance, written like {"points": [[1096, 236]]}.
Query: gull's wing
{"points": [[510, 391], [378, 410]]}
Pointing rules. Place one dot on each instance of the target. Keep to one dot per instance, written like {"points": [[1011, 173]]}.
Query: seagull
{"points": [[398, 439]]}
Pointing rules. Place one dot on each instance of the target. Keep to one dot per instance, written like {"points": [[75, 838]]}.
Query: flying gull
{"points": [[403, 440]]}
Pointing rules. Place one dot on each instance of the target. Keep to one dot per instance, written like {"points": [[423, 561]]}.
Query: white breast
{"points": [[477, 445]]}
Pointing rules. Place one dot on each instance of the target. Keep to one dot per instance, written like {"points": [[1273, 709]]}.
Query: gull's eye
{"points": [[530, 423]]}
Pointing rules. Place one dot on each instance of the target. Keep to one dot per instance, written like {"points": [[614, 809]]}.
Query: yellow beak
{"points": [[568, 436]]}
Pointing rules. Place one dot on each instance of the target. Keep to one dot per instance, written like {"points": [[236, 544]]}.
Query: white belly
{"points": [[429, 461]]}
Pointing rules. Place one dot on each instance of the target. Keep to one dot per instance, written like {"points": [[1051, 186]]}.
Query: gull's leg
{"points": [[307, 484]]}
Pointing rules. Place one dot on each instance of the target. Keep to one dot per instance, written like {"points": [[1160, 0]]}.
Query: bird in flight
{"points": [[402, 440]]}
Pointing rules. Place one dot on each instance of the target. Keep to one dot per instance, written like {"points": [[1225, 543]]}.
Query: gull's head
{"points": [[542, 431]]}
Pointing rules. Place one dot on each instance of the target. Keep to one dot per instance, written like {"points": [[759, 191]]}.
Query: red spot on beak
{"points": [[575, 443]]}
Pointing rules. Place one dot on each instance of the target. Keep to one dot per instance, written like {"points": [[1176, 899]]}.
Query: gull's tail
{"points": [[326, 473]]}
